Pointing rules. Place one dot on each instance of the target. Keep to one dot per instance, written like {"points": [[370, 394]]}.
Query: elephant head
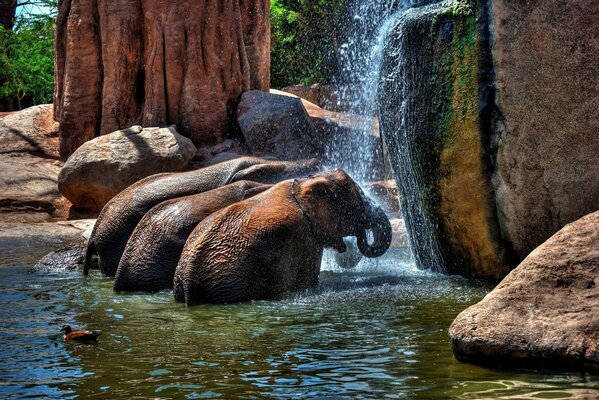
{"points": [[335, 204]]}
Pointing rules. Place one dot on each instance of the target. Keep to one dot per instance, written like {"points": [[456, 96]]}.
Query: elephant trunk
{"points": [[378, 223]]}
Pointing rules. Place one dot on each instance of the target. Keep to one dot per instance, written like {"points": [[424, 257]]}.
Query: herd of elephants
{"points": [[244, 229]]}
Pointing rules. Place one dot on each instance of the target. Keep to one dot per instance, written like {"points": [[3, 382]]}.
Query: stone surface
{"points": [[157, 62], [337, 132], [385, 193], [29, 189], [277, 125], [104, 166], [32, 130], [429, 107], [22, 235], [29, 167], [546, 57], [545, 311], [69, 257]]}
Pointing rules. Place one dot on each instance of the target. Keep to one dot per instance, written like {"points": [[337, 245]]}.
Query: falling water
{"points": [[370, 22], [361, 153], [360, 55]]}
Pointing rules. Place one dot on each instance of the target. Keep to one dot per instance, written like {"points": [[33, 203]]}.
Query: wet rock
{"points": [[69, 257], [104, 166], [431, 125], [277, 125], [400, 238], [385, 193], [333, 130], [32, 131], [156, 63], [546, 58], [544, 311]]}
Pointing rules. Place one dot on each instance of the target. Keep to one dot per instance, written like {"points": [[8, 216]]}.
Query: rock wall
{"points": [[488, 109], [431, 124], [546, 57], [157, 62]]}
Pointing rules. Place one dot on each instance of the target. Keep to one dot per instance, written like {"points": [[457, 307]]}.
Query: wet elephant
{"points": [[120, 215], [153, 250], [273, 242]]}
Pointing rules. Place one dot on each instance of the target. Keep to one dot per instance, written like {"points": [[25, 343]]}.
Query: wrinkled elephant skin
{"points": [[272, 243]]}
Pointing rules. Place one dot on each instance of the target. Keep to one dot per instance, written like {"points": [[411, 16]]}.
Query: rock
{"points": [[69, 257], [156, 63], [29, 189], [329, 97], [277, 125], [337, 134], [385, 193], [429, 108], [29, 167], [22, 235], [544, 311], [104, 166], [546, 57], [400, 237], [32, 130]]}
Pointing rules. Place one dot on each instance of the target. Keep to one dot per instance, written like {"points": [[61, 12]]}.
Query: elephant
{"points": [[153, 250], [120, 215], [273, 242]]}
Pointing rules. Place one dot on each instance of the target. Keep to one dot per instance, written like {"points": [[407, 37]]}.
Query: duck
{"points": [[80, 335]]}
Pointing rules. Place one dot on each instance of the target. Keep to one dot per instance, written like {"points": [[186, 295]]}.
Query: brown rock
{"points": [[15, 236], [32, 130], [29, 189], [104, 166], [543, 311], [385, 192], [157, 62], [546, 55]]}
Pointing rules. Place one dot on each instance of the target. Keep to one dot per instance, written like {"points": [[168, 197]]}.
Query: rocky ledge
{"points": [[546, 311]]}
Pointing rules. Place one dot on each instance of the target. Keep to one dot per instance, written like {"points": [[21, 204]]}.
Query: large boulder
{"points": [[432, 124], [32, 130], [544, 311], [29, 189], [29, 167], [155, 63], [546, 58], [278, 125], [339, 133], [104, 166]]}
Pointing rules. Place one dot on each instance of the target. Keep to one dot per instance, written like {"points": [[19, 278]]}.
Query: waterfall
{"points": [[370, 24]]}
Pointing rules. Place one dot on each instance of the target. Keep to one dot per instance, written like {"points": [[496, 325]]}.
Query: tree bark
{"points": [[157, 62], [8, 9]]}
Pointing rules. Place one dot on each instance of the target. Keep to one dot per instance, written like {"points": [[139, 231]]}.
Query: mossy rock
{"points": [[430, 114]]}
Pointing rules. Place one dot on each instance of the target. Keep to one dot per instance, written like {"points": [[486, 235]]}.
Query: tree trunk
{"points": [[157, 62], [8, 10]]}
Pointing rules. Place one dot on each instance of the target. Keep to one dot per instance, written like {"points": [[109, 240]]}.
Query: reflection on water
{"points": [[378, 331]]}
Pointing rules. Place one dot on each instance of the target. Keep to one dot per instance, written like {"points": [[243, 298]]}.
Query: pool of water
{"points": [[379, 331]]}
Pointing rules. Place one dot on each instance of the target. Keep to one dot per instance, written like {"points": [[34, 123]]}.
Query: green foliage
{"points": [[305, 40], [27, 60]]}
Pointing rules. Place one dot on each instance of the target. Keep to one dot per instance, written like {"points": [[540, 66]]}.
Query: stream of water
{"points": [[379, 331]]}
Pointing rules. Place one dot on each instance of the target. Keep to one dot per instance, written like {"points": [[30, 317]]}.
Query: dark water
{"points": [[379, 332]]}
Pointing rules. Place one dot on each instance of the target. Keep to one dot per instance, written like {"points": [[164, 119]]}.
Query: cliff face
{"points": [[157, 62], [488, 109]]}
